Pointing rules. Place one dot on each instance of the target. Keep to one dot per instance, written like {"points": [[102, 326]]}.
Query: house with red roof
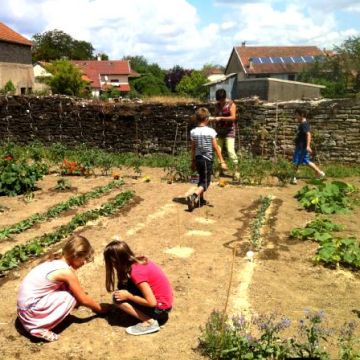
{"points": [[280, 62], [15, 60], [268, 72], [105, 74]]}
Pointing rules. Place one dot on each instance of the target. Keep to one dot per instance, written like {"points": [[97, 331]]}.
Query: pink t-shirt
{"points": [[157, 280]]}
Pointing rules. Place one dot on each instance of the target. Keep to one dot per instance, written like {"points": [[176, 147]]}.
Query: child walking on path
{"points": [[51, 290], [203, 144], [144, 290], [302, 145]]}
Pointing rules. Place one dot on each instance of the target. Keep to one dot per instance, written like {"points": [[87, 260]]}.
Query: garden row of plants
{"points": [[82, 160], [35, 247], [53, 212], [259, 221], [329, 198], [259, 338]]}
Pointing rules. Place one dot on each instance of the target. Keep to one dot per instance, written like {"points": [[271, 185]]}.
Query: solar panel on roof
{"points": [[256, 60], [287, 59], [309, 59], [276, 60], [298, 59], [265, 60]]}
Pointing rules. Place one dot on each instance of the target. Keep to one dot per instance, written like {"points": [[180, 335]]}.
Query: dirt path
{"points": [[195, 250]]}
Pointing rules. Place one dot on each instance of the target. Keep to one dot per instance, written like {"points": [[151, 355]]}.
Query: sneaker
{"points": [[143, 328], [45, 334], [203, 202], [293, 181], [191, 202]]}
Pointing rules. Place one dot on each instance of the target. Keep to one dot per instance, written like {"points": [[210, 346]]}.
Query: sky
{"points": [[189, 33]]}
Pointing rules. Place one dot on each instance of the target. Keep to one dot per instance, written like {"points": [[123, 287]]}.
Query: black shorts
{"points": [[153, 312], [204, 168]]}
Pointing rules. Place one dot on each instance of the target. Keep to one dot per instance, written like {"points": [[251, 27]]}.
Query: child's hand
{"points": [[218, 118], [223, 165], [122, 295], [105, 308]]}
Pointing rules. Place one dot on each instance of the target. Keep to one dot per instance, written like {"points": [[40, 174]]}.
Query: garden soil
{"points": [[200, 251]]}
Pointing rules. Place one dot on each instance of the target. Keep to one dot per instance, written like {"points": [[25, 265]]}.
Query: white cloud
{"points": [[170, 32]]}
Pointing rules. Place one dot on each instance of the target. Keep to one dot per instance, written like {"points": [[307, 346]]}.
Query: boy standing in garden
{"points": [[302, 145], [203, 144]]}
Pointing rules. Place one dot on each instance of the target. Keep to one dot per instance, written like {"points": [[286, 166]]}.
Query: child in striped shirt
{"points": [[203, 144]]}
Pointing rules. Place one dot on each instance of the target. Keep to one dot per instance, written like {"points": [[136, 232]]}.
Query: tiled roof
{"points": [[245, 53], [9, 35], [93, 69]]}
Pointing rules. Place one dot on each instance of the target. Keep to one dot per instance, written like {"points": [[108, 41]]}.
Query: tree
{"points": [[102, 56], [349, 58], [174, 76], [55, 45], [339, 71], [66, 79], [152, 79], [192, 85], [149, 85]]}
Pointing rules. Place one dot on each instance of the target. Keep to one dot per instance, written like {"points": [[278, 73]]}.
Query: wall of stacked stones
{"points": [[264, 129]]}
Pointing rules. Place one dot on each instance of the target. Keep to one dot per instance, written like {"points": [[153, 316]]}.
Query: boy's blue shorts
{"points": [[301, 157]]}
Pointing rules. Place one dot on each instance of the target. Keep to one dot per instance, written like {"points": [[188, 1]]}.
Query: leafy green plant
{"points": [[313, 333], [283, 171], [348, 342], [18, 177], [20, 253], [339, 251], [318, 230], [62, 185], [332, 250], [180, 170], [325, 197], [56, 210]]}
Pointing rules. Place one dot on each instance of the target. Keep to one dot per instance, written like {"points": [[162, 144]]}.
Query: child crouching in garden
{"points": [[144, 290], [51, 290], [203, 144]]}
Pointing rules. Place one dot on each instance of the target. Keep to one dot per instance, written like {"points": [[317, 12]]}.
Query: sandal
{"points": [[45, 334]]}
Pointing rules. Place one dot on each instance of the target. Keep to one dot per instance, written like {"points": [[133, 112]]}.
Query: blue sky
{"points": [[189, 33]]}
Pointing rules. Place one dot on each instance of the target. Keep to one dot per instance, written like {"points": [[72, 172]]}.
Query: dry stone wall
{"points": [[264, 129]]}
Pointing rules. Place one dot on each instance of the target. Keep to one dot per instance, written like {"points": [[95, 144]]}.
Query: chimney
{"points": [[243, 44], [250, 63]]}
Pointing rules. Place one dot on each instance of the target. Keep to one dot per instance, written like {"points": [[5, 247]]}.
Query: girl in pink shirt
{"points": [[144, 290], [51, 290]]}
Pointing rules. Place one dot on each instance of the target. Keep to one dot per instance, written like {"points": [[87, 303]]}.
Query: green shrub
{"points": [[19, 177]]}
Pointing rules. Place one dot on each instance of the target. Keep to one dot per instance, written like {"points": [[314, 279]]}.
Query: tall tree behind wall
{"points": [[55, 44]]}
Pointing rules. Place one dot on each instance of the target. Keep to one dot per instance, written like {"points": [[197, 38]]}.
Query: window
{"points": [[22, 91], [114, 80], [291, 77]]}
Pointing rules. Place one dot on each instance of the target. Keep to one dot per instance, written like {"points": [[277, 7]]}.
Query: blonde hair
{"points": [[201, 114], [77, 246]]}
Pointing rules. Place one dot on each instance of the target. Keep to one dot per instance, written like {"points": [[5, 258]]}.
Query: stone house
{"points": [[104, 74], [15, 60]]}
